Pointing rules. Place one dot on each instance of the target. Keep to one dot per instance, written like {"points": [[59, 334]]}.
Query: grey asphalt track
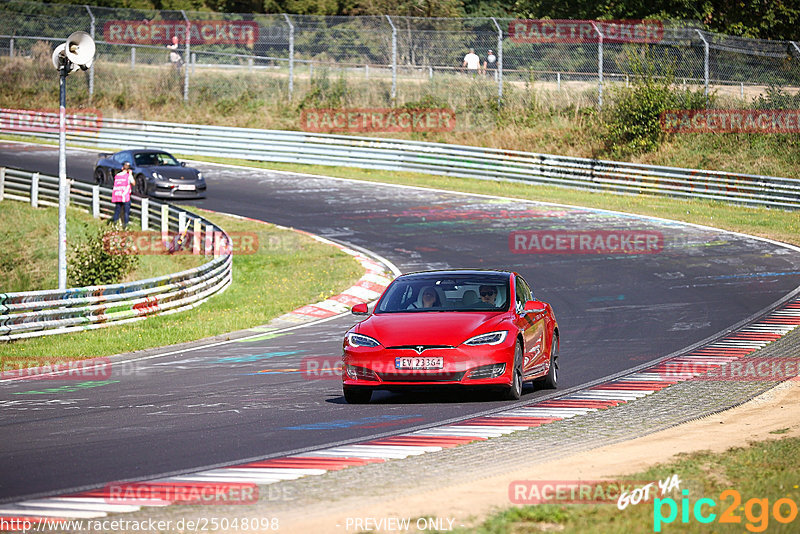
{"points": [[191, 409]]}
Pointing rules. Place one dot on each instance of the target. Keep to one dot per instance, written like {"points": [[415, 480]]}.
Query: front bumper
{"points": [[172, 190], [483, 365]]}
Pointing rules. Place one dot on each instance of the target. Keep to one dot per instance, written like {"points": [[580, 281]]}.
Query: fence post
{"points": [[2, 183], [181, 221], [35, 190], [96, 201], [394, 59], [187, 56], [164, 222], [133, 57], [705, 63], [499, 60], [193, 63], [196, 236], [145, 214], [366, 71], [11, 47], [558, 80], [291, 56], [599, 67], [91, 69], [209, 240]]}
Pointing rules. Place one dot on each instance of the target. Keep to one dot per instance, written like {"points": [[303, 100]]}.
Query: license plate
{"points": [[187, 187], [419, 362]]}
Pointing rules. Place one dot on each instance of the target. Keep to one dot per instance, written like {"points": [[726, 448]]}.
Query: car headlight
{"points": [[492, 338], [157, 176], [360, 340]]}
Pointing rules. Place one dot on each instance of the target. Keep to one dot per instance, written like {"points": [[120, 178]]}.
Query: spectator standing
{"points": [[121, 194], [472, 62], [174, 57], [490, 63]]}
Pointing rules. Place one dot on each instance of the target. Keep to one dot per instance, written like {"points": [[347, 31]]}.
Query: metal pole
{"points": [[187, 56], [11, 47], [291, 55], [599, 67], [133, 57], [91, 69], [62, 175], [394, 59], [794, 44], [499, 60], [705, 63]]}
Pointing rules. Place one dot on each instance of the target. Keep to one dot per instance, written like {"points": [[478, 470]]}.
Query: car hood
{"points": [[428, 328], [175, 173]]}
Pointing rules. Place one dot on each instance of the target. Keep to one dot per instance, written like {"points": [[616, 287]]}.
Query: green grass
{"points": [[29, 241], [288, 271], [764, 470]]}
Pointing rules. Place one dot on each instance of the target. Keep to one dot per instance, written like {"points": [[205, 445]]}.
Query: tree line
{"points": [[763, 19]]}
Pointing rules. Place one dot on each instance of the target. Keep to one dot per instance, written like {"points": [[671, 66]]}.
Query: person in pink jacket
{"points": [[121, 194]]}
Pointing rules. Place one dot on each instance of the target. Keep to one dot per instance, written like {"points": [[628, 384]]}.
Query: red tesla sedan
{"points": [[459, 327]]}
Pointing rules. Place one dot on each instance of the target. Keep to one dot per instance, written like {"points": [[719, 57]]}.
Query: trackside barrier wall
{"points": [[429, 158], [38, 313]]}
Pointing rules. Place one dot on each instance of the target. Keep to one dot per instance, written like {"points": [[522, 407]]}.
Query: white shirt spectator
{"points": [[472, 61]]}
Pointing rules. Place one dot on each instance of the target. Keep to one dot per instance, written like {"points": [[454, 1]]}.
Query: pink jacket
{"points": [[122, 187]]}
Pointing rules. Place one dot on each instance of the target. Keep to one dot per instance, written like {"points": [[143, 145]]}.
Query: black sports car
{"points": [[157, 174]]}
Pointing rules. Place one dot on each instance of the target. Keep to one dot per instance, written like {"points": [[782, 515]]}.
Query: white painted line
{"points": [[19, 510]]}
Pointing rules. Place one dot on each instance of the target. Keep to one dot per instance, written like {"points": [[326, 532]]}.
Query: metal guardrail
{"points": [[429, 158], [38, 313]]}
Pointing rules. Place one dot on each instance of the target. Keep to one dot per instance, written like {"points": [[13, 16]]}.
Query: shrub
{"points": [[102, 257], [633, 123]]}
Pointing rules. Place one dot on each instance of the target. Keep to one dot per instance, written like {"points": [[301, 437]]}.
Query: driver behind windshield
{"points": [[488, 295]]}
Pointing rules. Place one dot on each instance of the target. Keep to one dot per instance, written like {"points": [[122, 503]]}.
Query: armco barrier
{"points": [[430, 158], [38, 313]]}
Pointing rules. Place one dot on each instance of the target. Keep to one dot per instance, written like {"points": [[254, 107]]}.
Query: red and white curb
{"points": [[94, 504]]}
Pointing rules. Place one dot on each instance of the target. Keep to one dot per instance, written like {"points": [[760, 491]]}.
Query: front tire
{"points": [[141, 186], [357, 395], [514, 391]]}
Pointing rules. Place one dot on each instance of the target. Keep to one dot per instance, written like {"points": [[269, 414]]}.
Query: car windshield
{"points": [[149, 159], [446, 293]]}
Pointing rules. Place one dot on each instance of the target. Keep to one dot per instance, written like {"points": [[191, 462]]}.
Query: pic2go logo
{"points": [[756, 511]]}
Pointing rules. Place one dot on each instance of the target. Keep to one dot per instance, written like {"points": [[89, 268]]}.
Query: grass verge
{"points": [[287, 271], [761, 474]]}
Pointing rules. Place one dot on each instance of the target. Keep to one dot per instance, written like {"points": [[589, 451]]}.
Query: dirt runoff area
{"points": [[470, 503]]}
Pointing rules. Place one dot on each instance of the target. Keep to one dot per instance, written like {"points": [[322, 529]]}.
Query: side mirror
{"points": [[360, 309], [533, 306], [183, 164]]}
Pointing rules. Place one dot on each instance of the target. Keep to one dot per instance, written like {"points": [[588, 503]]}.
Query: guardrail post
{"points": [[181, 221], [209, 240], [133, 57], [217, 243], [96, 201], [2, 182], [394, 60], [196, 237], [291, 55], [145, 214], [11, 47], [165, 222], [35, 190]]}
